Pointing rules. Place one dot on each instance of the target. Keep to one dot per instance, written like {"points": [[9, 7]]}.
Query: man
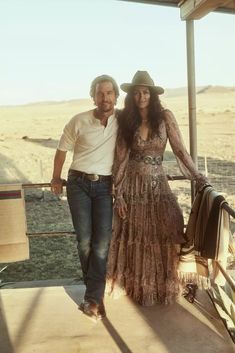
{"points": [[91, 136]]}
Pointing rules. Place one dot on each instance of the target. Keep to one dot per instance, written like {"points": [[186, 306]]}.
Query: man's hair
{"points": [[100, 79]]}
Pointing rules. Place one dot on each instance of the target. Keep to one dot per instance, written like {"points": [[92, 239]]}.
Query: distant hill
{"points": [[70, 101], [216, 89], [169, 92], [181, 91]]}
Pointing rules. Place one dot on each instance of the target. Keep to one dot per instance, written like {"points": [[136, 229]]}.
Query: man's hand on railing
{"points": [[57, 185]]}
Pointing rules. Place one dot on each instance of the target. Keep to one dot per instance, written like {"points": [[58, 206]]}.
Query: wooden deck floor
{"points": [[47, 319]]}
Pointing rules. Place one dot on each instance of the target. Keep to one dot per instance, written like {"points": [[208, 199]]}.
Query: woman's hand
{"points": [[121, 207], [201, 182]]}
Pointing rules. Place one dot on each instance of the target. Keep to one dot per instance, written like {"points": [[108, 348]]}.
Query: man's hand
{"points": [[57, 182], [57, 185]]}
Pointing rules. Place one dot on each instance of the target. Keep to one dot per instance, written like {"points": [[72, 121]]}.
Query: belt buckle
{"points": [[159, 160], [93, 177], [137, 157], [148, 159]]}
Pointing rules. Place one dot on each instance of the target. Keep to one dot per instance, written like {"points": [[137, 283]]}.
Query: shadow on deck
{"points": [[47, 319]]}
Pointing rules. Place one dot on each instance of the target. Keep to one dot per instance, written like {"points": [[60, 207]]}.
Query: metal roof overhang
{"points": [[194, 9]]}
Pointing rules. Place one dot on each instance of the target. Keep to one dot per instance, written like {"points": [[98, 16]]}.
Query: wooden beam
{"points": [[195, 9]]}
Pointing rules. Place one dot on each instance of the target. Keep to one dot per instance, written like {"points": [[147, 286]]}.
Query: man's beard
{"points": [[106, 107]]}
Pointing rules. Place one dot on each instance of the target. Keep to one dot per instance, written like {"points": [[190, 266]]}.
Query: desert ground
{"points": [[28, 138]]}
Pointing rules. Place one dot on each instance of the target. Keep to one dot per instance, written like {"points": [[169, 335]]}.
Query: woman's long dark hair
{"points": [[129, 118]]}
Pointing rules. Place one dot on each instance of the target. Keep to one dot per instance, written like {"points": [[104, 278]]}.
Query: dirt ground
{"points": [[28, 138]]}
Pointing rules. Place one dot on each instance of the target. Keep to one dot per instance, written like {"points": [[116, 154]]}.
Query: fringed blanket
{"points": [[193, 269], [207, 236]]}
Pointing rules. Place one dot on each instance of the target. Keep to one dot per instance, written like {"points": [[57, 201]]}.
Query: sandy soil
{"points": [[29, 135]]}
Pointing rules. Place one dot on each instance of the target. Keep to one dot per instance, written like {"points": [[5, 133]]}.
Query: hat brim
{"points": [[126, 87]]}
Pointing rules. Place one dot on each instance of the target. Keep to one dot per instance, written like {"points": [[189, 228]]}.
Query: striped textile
{"points": [[11, 194], [14, 245]]}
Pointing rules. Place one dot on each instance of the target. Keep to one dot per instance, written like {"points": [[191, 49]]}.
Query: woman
{"points": [[148, 222]]}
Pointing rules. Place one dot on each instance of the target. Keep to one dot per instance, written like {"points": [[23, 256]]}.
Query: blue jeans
{"points": [[90, 205]]}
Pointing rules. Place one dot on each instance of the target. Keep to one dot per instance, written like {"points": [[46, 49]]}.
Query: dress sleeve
{"points": [[121, 157], [183, 158]]}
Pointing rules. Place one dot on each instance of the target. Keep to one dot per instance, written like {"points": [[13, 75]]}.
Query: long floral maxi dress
{"points": [[143, 259]]}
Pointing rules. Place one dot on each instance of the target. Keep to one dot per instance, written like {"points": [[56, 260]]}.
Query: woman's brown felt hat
{"points": [[142, 78]]}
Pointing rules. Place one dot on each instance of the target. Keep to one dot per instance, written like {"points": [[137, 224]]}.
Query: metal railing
{"points": [[48, 185], [225, 206]]}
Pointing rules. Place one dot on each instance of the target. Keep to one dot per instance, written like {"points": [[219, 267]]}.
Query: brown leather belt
{"points": [[91, 177]]}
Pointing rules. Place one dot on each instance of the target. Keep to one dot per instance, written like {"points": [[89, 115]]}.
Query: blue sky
{"points": [[52, 49]]}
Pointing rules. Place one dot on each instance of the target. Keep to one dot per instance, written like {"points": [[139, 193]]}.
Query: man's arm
{"points": [[57, 182]]}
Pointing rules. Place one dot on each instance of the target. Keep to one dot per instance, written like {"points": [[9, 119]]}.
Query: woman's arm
{"points": [[121, 158], [183, 158]]}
